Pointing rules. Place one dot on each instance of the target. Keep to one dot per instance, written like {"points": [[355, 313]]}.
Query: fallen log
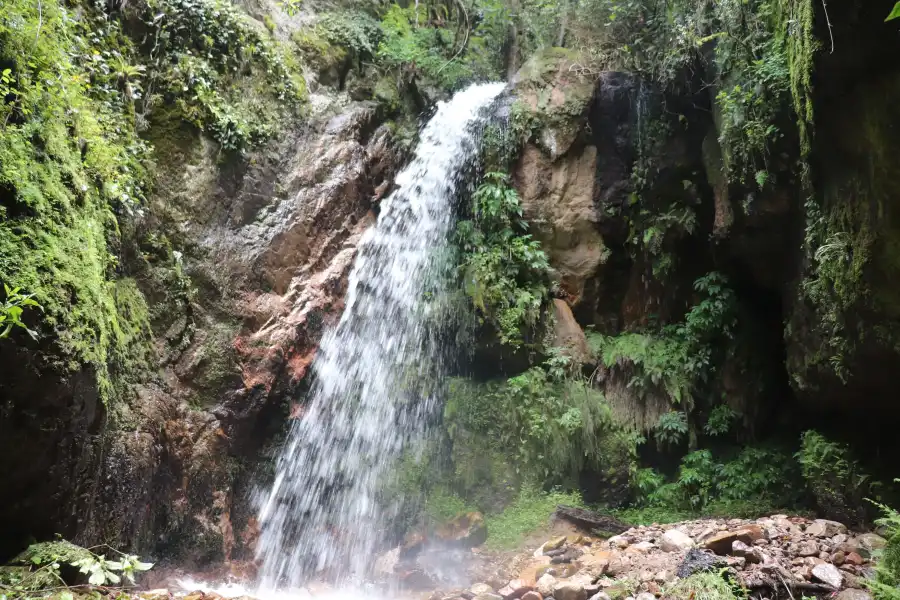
{"points": [[590, 520]]}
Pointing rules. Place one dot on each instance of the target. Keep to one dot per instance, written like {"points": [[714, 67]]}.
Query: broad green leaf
{"points": [[895, 14], [142, 566], [97, 578]]}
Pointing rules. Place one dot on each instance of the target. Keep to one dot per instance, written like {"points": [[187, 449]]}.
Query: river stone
{"points": [[554, 544], [739, 548], [854, 559], [546, 584], [618, 541], [162, 594], [645, 596], [828, 574], [853, 594], [465, 529], [675, 540], [532, 595], [569, 590], [721, 543], [605, 596], [871, 541], [825, 528], [481, 588], [488, 597], [514, 589], [808, 548]]}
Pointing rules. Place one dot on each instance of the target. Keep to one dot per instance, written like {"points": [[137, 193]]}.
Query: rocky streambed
{"points": [[775, 556]]}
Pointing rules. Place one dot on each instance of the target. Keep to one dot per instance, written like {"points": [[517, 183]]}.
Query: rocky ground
{"points": [[776, 556]]}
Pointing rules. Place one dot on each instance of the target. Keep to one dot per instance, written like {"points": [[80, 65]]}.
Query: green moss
{"points": [[529, 513], [70, 158]]}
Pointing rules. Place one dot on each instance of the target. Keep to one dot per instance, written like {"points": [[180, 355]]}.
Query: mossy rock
{"points": [[553, 95]]}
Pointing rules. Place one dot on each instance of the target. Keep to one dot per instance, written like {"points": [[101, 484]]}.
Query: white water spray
{"points": [[323, 515]]}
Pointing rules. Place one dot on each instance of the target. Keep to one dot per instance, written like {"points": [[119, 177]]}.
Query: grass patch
{"points": [[732, 509], [703, 586], [530, 512]]}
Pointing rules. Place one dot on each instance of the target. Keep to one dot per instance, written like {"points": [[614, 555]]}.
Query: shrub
{"points": [[753, 477], [504, 270], [834, 477], [886, 584]]}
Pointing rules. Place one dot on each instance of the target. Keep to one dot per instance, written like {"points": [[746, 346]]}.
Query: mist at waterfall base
{"points": [[325, 516]]}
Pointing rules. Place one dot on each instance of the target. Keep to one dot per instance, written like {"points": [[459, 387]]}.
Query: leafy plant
{"points": [[757, 475], [886, 583], [678, 358], [895, 13], [12, 308], [835, 477], [671, 428], [548, 421], [44, 560], [720, 420], [504, 270]]}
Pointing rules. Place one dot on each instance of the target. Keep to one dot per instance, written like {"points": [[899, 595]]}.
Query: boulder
{"points": [[466, 530], [618, 541], [640, 548], [853, 594], [516, 588], [554, 544], [569, 590], [546, 585], [854, 559], [721, 542], [675, 540], [824, 528], [828, 574], [808, 548], [739, 548], [605, 596], [481, 588], [871, 541]]}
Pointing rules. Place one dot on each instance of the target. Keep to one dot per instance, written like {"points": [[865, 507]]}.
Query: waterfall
{"points": [[323, 515]]}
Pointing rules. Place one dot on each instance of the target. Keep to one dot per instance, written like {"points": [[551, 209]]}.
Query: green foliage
{"points": [[840, 243], [886, 583], [705, 586], [547, 421], [720, 420], [417, 48], [504, 270], [43, 562], [756, 475], [834, 477], [223, 75], [895, 13], [530, 512], [11, 311], [678, 358], [71, 161], [671, 429]]}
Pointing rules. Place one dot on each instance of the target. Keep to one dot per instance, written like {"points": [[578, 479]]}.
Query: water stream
{"points": [[326, 514]]}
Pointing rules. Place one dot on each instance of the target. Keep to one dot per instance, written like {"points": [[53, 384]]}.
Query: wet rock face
{"points": [[270, 242]]}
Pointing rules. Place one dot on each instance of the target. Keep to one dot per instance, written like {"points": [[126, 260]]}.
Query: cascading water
{"points": [[323, 515]]}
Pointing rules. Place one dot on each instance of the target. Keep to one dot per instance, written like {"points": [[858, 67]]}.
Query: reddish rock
{"points": [[721, 543], [855, 559]]}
